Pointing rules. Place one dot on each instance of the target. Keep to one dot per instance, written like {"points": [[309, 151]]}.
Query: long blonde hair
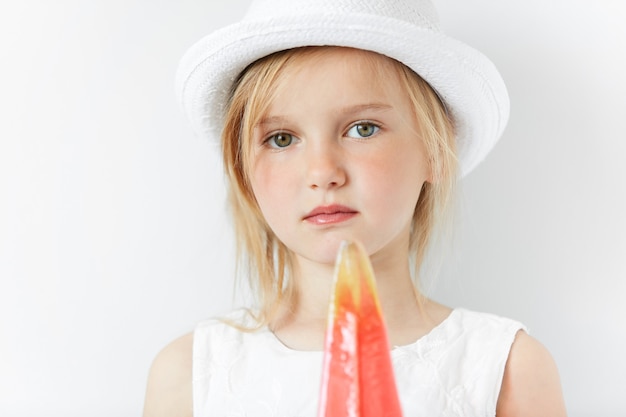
{"points": [[260, 254]]}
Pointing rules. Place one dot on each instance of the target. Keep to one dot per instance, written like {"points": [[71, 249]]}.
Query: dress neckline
{"points": [[274, 342]]}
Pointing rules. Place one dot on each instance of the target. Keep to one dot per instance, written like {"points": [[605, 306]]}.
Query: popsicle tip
{"points": [[351, 246]]}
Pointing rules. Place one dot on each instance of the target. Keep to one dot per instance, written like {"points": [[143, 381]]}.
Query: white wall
{"points": [[112, 219]]}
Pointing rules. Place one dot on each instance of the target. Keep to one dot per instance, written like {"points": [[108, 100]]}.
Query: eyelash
{"points": [[363, 123], [270, 140]]}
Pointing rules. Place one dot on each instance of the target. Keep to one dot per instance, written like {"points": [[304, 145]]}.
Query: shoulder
{"points": [[169, 390], [489, 337], [474, 320], [531, 385], [212, 335]]}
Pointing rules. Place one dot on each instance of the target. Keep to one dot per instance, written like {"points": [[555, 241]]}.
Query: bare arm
{"points": [[531, 385], [169, 391]]}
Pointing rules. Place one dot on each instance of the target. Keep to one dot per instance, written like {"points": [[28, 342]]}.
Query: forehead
{"points": [[327, 61], [329, 75]]}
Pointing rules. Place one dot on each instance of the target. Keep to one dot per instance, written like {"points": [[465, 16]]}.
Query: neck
{"points": [[301, 324], [314, 285]]}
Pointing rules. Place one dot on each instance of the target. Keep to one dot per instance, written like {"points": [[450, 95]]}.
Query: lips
{"points": [[332, 214]]}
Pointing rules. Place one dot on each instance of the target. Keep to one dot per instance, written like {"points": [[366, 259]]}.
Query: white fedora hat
{"points": [[405, 30]]}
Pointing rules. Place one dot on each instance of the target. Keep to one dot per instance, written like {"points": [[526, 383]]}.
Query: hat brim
{"points": [[467, 82]]}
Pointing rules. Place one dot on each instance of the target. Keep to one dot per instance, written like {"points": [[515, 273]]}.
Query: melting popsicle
{"points": [[357, 378]]}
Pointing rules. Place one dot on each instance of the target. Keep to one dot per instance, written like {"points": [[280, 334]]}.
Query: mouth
{"points": [[332, 214]]}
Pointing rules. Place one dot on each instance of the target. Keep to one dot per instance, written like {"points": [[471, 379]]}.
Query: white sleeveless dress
{"points": [[455, 370]]}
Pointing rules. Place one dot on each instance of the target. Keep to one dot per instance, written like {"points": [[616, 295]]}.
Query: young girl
{"points": [[345, 120]]}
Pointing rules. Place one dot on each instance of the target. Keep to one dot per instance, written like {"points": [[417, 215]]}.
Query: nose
{"points": [[325, 166]]}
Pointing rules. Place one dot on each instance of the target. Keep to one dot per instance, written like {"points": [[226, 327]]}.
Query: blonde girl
{"points": [[344, 120]]}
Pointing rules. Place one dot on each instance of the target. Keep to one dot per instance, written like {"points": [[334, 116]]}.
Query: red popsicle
{"points": [[357, 378]]}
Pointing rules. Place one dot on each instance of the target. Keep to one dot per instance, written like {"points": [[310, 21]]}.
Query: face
{"points": [[336, 156]]}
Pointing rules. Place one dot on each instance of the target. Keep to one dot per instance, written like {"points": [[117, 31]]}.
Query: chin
{"points": [[324, 253], [327, 256]]}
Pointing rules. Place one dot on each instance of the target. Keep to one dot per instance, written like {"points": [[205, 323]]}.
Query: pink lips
{"points": [[331, 214]]}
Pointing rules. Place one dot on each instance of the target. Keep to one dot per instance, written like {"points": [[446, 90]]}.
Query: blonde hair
{"points": [[267, 261]]}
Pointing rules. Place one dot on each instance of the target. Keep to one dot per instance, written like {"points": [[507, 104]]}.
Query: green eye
{"points": [[363, 130], [280, 140]]}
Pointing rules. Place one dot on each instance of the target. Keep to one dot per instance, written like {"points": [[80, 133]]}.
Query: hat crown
{"points": [[421, 13]]}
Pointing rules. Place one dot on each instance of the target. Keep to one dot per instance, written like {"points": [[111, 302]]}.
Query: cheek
{"points": [[395, 182], [270, 185], [261, 183]]}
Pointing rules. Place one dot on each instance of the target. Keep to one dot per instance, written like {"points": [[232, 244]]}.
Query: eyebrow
{"points": [[368, 106], [347, 111]]}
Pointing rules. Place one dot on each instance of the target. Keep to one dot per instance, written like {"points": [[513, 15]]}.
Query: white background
{"points": [[113, 237]]}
